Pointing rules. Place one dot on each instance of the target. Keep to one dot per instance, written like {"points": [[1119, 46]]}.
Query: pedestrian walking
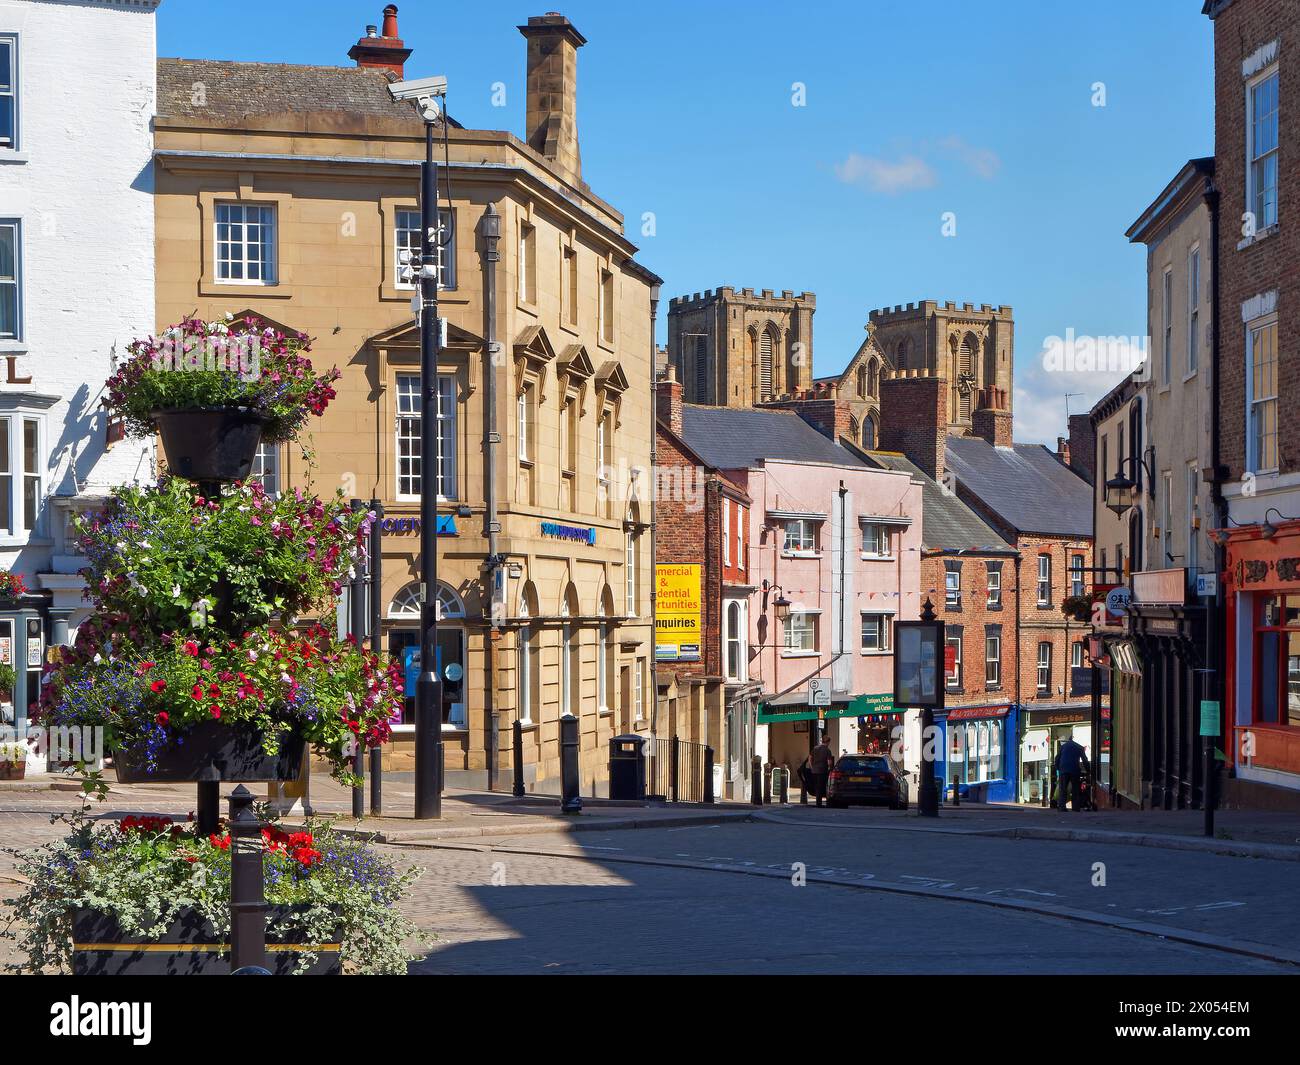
{"points": [[1071, 763], [820, 763]]}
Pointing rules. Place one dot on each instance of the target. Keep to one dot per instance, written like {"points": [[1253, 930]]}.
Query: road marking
{"points": [[1218, 905]]}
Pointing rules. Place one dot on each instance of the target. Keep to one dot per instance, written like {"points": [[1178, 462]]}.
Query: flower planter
{"points": [[12, 770], [211, 443], [189, 946], [237, 752]]}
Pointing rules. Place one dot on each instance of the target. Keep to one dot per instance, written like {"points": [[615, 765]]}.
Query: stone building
{"points": [[547, 428], [76, 284], [741, 348], [971, 348]]}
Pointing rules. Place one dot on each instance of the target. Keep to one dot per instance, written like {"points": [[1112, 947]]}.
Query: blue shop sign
{"points": [[576, 533], [446, 525]]}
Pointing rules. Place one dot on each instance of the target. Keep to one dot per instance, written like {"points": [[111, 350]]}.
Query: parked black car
{"points": [[867, 778]]}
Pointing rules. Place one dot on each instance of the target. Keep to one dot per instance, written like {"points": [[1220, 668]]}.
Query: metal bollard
{"points": [[708, 774], [247, 896], [518, 789], [673, 768], [767, 784], [756, 781], [956, 792], [571, 801], [376, 781]]}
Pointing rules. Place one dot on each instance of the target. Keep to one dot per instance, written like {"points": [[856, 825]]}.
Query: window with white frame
{"points": [[800, 633], [406, 239], [605, 458], [569, 280], [726, 531], [410, 463], [21, 479], [1261, 396], [1076, 575], [1167, 514], [993, 660], [525, 668], [1193, 310], [1044, 580], [604, 671], [875, 540], [994, 585], [524, 423], [1076, 654], [876, 632], [1168, 319], [1262, 149], [245, 243], [632, 565], [527, 263], [9, 91], [800, 535], [605, 301], [638, 691], [952, 589], [736, 640], [952, 677], [1044, 668], [266, 468], [11, 279]]}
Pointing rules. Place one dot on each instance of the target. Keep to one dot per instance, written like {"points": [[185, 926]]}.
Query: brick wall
{"points": [[972, 619], [829, 416], [1270, 263], [914, 420], [1046, 624], [1083, 447]]}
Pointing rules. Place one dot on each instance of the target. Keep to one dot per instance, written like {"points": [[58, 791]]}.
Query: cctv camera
{"points": [[418, 88]]}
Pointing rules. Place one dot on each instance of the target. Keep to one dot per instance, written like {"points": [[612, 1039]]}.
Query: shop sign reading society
{"points": [[677, 612]]}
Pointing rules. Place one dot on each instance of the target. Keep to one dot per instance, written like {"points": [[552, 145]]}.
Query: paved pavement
{"points": [[881, 892]]}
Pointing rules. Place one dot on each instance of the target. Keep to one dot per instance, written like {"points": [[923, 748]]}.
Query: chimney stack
{"points": [[668, 400], [914, 420], [385, 51], [551, 126], [992, 417]]}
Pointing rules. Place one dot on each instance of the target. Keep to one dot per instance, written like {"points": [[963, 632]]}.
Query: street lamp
{"points": [[1122, 490], [429, 95], [782, 605]]}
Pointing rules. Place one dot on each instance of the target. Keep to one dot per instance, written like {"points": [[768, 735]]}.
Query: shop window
{"points": [[1277, 659]]}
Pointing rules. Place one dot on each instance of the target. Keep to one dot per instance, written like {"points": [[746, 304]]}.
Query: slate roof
{"points": [[234, 90], [1025, 485], [734, 438], [947, 524]]}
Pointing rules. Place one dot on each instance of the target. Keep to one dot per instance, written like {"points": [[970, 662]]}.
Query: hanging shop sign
{"points": [[973, 713], [677, 612]]}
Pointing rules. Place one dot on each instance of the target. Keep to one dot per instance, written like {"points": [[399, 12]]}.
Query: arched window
{"points": [[853, 429], [966, 356], [902, 354], [862, 382], [766, 344], [406, 603], [873, 378], [869, 432]]}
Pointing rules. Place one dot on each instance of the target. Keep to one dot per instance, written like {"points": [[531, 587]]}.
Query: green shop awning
{"points": [[793, 706]]}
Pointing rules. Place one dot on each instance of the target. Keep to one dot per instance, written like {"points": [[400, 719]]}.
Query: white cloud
{"points": [[983, 162], [1043, 382], [880, 175]]}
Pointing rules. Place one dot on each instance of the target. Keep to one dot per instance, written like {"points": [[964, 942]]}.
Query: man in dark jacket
{"points": [[1071, 761], [820, 763]]}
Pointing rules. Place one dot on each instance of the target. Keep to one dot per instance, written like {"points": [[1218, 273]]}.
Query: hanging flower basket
{"points": [[210, 443], [238, 753]]}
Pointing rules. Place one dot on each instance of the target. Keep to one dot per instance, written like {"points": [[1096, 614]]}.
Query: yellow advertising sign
{"points": [[677, 612]]}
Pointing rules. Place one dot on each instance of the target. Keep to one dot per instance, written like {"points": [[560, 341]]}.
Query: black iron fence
{"points": [[678, 770]]}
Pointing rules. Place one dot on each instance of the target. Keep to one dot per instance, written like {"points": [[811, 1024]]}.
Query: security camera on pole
{"points": [[429, 93]]}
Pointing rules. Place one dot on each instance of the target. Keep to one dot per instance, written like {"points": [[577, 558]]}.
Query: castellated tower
{"points": [[970, 348], [738, 348]]}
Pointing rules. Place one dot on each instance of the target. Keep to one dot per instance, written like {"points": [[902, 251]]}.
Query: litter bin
{"points": [[627, 767]]}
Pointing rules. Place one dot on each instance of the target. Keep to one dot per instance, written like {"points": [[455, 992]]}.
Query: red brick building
{"points": [[1257, 171], [702, 519]]}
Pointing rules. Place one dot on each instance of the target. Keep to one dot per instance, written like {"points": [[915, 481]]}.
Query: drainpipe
{"points": [[1215, 635], [490, 229], [654, 466]]}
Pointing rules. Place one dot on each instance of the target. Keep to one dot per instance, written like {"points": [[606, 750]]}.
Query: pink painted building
{"points": [[834, 550]]}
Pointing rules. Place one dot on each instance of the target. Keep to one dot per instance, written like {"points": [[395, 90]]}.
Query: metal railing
{"points": [[676, 770]]}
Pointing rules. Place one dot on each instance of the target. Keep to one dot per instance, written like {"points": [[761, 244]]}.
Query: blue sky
{"points": [[911, 110]]}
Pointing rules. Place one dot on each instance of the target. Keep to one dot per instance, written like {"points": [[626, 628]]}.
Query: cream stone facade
{"points": [[544, 557]]}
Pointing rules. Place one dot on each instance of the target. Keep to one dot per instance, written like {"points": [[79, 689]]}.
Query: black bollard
{"points": [[673, 767], [247, 897], [571, 800], [756, 781], [376, 781], [518, 789], [207, 813], [708, 774]]}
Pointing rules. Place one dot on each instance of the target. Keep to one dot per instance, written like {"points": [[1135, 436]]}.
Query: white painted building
{"points": [[76, 281]]}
